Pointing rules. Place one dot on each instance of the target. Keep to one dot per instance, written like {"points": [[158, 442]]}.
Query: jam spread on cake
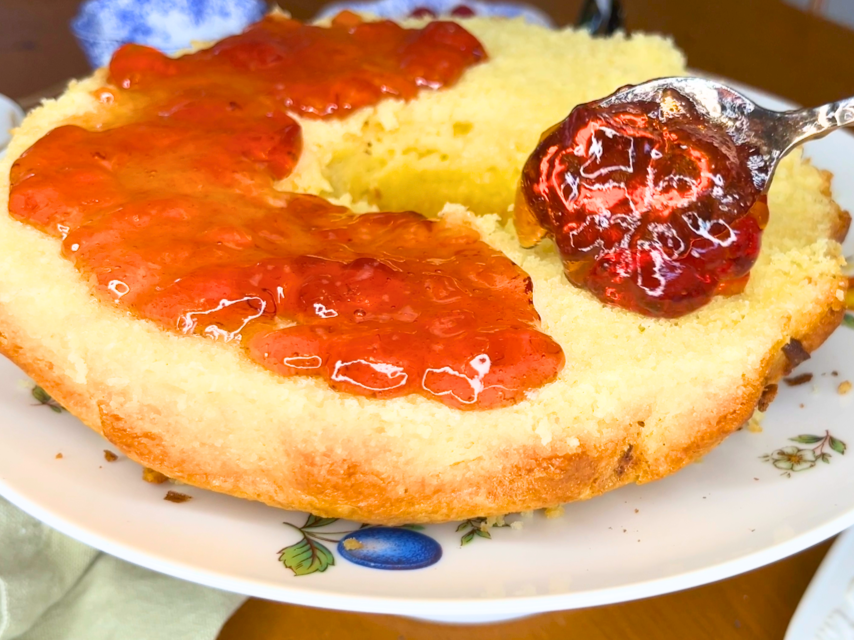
{"points": [[169, 206], [651, 209]]}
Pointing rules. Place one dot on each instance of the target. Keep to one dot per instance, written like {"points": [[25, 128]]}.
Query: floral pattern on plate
{"points": [[310, 555], [376, 547], [793, 458]]}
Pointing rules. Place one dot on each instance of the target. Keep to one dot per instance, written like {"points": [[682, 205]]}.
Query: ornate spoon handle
{"points": [[807, 124]]}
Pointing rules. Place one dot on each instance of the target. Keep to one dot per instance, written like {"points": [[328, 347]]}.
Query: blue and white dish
{"points": [[102, 26], [397, 9]]}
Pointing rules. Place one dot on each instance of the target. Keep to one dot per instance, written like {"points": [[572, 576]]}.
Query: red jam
{"points": [[652, 210], [170, 209]]}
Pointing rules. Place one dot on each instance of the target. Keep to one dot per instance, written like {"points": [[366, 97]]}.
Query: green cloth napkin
{"points": [[55, 588]]}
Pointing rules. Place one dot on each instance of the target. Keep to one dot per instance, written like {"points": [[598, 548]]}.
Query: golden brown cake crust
{"points": [[532, 478], [198, 412]]}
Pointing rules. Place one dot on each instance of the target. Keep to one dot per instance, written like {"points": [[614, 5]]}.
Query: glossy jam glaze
{"points": [[652, 210], [170, 208]]}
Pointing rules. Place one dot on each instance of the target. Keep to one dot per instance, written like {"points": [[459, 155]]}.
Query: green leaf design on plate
{"points": [[477, 527], [43, 398], [837, 445], [413, 527], [41, 395], [306, 557], [807, 439], [848, 320], [315, 522]]}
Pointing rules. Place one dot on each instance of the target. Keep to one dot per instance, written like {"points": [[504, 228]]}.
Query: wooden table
{"points": [[764, 43]]}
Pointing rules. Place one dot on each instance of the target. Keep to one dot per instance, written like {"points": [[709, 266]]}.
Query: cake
{"points": [[635, 399]]}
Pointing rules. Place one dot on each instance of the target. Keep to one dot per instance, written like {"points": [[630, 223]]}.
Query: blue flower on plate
{"points": [[462, 8], [389, 548], [102, 26]]}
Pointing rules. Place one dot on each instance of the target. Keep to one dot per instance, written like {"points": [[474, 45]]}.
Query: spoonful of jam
{"points": [[656, 195]]}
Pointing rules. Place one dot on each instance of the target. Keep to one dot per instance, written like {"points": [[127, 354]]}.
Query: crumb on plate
{"points": [[174, 496], [492, 521], [798, 380]]}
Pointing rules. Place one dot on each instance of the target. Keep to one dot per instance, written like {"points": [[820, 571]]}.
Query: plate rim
{"points": [[426, 605]]}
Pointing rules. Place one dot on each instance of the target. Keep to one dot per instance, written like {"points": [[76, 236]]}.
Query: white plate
{"points": [[730, 513]]}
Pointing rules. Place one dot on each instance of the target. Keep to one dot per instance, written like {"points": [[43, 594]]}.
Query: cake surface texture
{"points": [[637, 399]]}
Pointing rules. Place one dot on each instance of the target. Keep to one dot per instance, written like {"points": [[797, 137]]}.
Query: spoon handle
{"points": [[806, 124]]}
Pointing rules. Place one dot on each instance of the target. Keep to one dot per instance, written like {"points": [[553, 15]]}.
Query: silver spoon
{"points": [[766, 135]]}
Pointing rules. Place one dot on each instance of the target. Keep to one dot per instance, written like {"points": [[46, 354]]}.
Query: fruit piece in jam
{"points": [[170, 209], [651, 209]]}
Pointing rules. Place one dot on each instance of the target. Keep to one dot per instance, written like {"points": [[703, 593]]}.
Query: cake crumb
{"points": [[152, 476], [492, 521], [178, 498], [834, 373], [109, 456], [527, 515], [554, 512], [351, 544], [754, 424], [798, 380], [637, 510], [517, 524], [59, 456], [767, 397], [844, 387]]}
